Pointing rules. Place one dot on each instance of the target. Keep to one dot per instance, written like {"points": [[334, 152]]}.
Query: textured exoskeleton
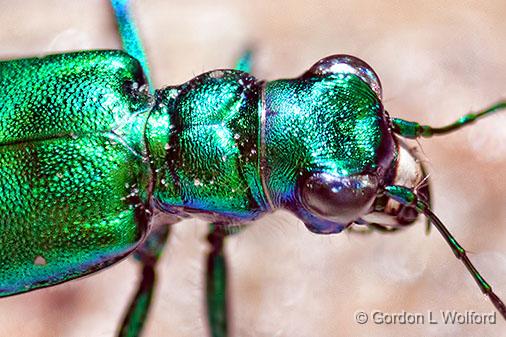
{"points": [[87, 153], [72, 170]]}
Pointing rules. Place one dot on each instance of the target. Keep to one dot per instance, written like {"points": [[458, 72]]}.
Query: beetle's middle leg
{"points": [[216, 279], [148, 254]]}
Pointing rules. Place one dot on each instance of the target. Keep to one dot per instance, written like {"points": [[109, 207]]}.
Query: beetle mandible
{"points": [[450, 223]]}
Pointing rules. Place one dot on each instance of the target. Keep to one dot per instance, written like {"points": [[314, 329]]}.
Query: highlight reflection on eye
{"points": [[347, 64], [336, 198]]}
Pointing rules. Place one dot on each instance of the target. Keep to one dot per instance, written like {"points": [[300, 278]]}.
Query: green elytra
{"points": [[88, 152]]}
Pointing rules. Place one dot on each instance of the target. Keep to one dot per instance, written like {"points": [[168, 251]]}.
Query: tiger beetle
{"points": [[91, 154]]}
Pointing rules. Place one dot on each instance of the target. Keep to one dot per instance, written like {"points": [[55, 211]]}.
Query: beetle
{"points": [[263, 228]]}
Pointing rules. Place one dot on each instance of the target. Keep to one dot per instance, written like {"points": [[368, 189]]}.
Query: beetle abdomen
{"points": [[72, 177]]}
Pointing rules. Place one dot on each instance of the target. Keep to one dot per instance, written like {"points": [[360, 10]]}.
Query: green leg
{"points": [[245, 62], [415, 130], [216, 282], [148, 254], [407, 197], [130, 39]]}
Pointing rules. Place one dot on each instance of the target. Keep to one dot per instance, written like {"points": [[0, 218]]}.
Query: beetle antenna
{"points": [[414, 130], [408, 197]]}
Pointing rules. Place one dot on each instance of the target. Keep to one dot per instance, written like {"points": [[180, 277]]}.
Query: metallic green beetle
{"points": [[88, 153]]}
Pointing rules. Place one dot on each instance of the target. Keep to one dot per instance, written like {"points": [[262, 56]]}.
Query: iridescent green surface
{"points": [[84, 148], [212, 155], [70, 166], [330, 123], [322, 123]]}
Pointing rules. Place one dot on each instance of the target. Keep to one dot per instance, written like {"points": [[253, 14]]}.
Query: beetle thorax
{"points": [[205, 141]]}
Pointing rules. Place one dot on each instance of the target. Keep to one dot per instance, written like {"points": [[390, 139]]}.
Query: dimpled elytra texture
{"points": [[70, 132]]}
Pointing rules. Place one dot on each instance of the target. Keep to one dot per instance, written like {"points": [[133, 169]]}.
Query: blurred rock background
{"points": [[437, 61]]}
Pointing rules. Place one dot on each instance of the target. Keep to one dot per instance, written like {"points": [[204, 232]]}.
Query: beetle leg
{"points": [[129, 34], [216, 281], [414, 130], [148, 254], [244, 63]]}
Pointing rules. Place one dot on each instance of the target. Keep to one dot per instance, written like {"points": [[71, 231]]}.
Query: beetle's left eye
{"points": [[338, 199], [347, 64]]}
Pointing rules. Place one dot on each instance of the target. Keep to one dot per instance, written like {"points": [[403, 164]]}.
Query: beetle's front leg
{"points": [[148, 254]]}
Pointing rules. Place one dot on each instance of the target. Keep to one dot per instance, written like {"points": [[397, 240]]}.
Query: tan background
{"points": [[436, 61]]}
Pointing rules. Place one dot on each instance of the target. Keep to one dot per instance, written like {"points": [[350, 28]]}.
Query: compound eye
{"points": [[347, 64], [339, 199]]}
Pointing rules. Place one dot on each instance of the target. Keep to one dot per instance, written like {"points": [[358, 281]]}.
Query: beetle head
{"points": [[327, 144]]}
